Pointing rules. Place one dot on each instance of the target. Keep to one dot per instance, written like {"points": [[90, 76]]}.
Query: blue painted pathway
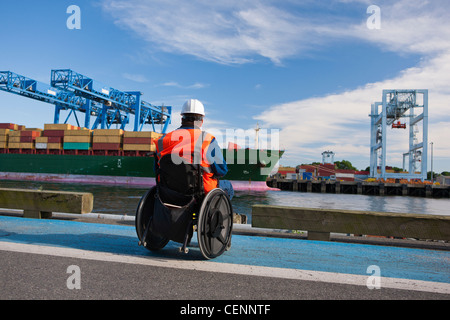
{"points": [[405, 263]]}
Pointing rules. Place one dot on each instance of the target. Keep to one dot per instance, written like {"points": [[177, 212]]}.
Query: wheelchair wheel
{"points": [[215, 223], [144, 214]]}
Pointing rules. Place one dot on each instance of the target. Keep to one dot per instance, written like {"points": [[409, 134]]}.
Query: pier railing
{"points": [[40, 204], [321, 222]]}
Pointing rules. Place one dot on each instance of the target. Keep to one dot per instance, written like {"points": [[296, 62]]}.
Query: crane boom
{"points": [[72, 91]]}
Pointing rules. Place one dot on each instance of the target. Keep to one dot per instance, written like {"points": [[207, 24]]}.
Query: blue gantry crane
{"points": [[397, 105], [79, 94], [122, 103], [26, 87]]}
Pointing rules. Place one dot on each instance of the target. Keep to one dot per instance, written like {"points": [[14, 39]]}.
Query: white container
{"points": [[41, 145], [291, 176]]}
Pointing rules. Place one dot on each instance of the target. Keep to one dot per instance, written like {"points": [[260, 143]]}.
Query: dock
{"points": [[362, 187]]}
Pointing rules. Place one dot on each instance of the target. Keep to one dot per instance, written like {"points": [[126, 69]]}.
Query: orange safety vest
{"points": [[189, 146]]}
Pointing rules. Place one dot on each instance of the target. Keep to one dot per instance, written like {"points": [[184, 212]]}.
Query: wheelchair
{"points": [[177, 206]]}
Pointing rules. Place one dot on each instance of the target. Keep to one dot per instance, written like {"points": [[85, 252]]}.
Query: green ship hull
{"points": [[247, 168]]}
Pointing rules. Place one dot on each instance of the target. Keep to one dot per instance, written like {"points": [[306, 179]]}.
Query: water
{"points": [[123, 200]]}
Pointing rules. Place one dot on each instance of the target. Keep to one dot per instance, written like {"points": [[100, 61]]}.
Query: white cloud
{"points": [[135, 77], [197, 28], [239, 31], [229, 32], [196, 85], [410, 26]]}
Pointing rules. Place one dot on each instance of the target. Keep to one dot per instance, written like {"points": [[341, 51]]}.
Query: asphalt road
{"points": [[37, 276]]}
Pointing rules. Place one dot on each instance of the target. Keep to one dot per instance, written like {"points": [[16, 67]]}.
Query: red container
{"points": [[30, 133], [27, 139], [131, 140], [7, 126], [55, 139], [53, 133], [106, 146]]}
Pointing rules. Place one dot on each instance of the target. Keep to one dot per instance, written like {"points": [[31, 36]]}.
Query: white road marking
{"points": [[210, 266]]}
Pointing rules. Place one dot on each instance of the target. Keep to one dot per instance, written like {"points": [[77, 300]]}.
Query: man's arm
{"points": [[214, 157]]}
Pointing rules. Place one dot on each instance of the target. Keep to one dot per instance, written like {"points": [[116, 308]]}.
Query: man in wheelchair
{"points": [[188, 194], [189, 144]]}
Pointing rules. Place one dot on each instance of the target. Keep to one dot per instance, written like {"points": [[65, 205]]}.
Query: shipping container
{"points": [[14, 145], [107, 139], [5, 132], [78, 139], [81, 132], [59, 126], [54, 146], [291, 176], [41, 145], [76, 146], [142, 134], [42, 139], [132, 140], [139, 147], [14, 139], [108, 132], [53, 133], [55, 139], [9, 126], [106, 146]]}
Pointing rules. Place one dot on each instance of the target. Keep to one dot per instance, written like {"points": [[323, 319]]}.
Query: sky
{"points": [[306, 72]]}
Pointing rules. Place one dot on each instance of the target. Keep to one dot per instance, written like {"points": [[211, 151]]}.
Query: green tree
{"points": [[344, 164], [434, 175]]}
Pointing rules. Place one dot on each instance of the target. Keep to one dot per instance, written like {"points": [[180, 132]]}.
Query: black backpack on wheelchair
{"points": [[177, 205]]}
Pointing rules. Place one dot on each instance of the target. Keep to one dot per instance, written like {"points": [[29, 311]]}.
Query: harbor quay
{"points": [[363, 187]]}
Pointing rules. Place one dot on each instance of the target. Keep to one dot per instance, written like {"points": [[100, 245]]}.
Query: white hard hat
{"points": [[193, 106]]}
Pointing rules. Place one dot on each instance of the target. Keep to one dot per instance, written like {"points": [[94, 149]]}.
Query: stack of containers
{"points": [[139, 141], [41, 142], [14, 140], [55, 135], [5, 130], [28, 138], [4, 136], [107, 140], [23, 139], [9, 126], [78, 139], [9, 133]]}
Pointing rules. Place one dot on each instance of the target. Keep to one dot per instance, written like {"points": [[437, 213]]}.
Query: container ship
{"points": [[70, 154], [65, 153]]}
